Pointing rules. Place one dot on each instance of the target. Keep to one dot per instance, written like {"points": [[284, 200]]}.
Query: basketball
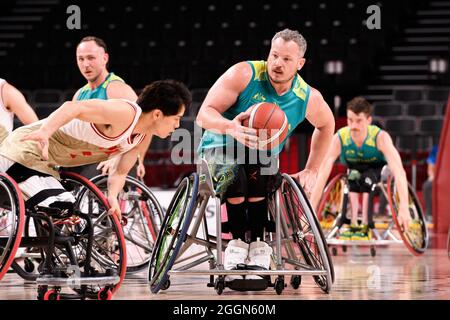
{"points": [[271, 124]]}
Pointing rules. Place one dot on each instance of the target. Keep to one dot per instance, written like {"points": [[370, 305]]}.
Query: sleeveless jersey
{"points": [[363, 158], [87, 92], [74, 144], [293, 103]]}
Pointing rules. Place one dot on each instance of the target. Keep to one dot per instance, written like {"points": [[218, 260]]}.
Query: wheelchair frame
{"points": [[50, 273], [209, 242], [146, 210], [385, 238]]}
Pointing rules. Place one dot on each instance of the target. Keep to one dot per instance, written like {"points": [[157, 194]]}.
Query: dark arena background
{"points": [[395, 54]]}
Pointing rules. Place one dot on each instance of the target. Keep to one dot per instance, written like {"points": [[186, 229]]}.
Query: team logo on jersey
{"points": [[259, 97]]}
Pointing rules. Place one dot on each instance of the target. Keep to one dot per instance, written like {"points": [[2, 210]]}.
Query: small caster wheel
{"points": [[219, 285], [41, 292], [104, 294], [344, 248], [373, 252], [334, 251], [166, 285], [296, 281], [28, 265], [52, 295], [279, 285]]}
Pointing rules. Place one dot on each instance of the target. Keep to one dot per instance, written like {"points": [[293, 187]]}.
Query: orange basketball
{"points": [[271, 123]]}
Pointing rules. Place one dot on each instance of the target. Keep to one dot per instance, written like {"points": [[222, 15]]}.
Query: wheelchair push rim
{"points": [[112, 237], [331, 203], [173, 232], [144, 216], [308, 235], [416, 238], [12, 216]]}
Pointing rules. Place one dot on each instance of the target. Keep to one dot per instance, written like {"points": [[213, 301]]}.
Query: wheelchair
{"points": [[298, 240], [141, 218], [75, 245], [334, 211]]}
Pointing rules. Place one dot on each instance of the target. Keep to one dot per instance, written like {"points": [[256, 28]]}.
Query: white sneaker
{"points": [[235, 253], [259, 255]]}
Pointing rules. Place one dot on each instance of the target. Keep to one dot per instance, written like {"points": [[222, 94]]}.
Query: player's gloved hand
{"points": [[246, 136], [404, 218], [41, 136], [307, 179]]}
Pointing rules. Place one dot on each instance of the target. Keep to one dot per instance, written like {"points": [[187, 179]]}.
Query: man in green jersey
{"points": [[92, 60], [365, 149], [226, 105]]}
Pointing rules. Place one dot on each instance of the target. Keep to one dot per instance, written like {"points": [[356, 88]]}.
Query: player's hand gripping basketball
{"points": [[246, 136], [41, 137]]}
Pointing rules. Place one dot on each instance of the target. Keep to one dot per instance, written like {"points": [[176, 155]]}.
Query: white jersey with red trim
{"points": [[74, 144], [88, 132], [6, 116]]}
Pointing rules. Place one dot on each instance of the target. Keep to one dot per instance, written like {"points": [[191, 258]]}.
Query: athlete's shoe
{"points": [[362, 234], [259, 255], [348, 233], [235, 253]]}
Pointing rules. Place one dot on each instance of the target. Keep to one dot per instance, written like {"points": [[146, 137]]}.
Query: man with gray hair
{"points": [[226, 105]]}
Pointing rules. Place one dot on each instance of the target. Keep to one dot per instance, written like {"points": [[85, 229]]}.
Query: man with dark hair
{"points": [[93, 59], [225, 107], [364, 148], [90, 131]]}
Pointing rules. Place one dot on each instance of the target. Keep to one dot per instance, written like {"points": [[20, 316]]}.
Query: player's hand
{"points": [[246, 136], [41, 137], [404, 218], [106, 166], [307, 179], [114, 207], [140, 170]]}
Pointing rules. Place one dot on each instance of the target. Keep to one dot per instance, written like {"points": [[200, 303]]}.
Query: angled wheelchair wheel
{"points": [[330, 205], [108, 252], [12, 220], [173, 232], [143, 214], [306, 231], [416, 238]]}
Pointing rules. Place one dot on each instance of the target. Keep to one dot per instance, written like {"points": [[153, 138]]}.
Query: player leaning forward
{"points": [[90, 131], [225, 107]]}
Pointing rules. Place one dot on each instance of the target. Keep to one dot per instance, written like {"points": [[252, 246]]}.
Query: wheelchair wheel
{"points": [[330, 205], [144, 215], [108, 249], [306, 231], [173, 232], [416, 238], [12, 219]]}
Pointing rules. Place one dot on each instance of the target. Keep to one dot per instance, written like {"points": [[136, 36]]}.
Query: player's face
{"points": [[166, 125], [91, 60], [285, 59], [358, 123]]}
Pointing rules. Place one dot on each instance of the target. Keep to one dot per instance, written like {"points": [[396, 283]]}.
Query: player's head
{"points": [[164, 102], [359, 114], [92, 57], [286, 56]]}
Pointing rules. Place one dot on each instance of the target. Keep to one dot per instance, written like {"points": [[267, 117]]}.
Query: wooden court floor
{"points": [[393, 274]]}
